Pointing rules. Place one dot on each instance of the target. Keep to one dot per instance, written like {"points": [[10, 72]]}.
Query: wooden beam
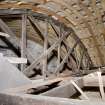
{"points": [[8, 12], [92, 79], [45, 68], [33, 2], [101, 87], [24, 39], [59, 48], [79, 89], [16, 60]]}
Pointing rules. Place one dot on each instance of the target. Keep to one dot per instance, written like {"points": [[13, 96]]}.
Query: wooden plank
{"points": [[59, 49], [16, 60], [12, 12], [79, 89], [92, 81], [4, 34], [101, 87], [32, 2], [24, 39]]}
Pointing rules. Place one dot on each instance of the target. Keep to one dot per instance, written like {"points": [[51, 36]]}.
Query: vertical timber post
{"points": [[23, 38], [101, 87], [59, 48], [44, 72]]}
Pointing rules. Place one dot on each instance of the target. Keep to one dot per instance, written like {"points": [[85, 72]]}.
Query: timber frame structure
{"points": [[28, 12], [58, 36]]}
